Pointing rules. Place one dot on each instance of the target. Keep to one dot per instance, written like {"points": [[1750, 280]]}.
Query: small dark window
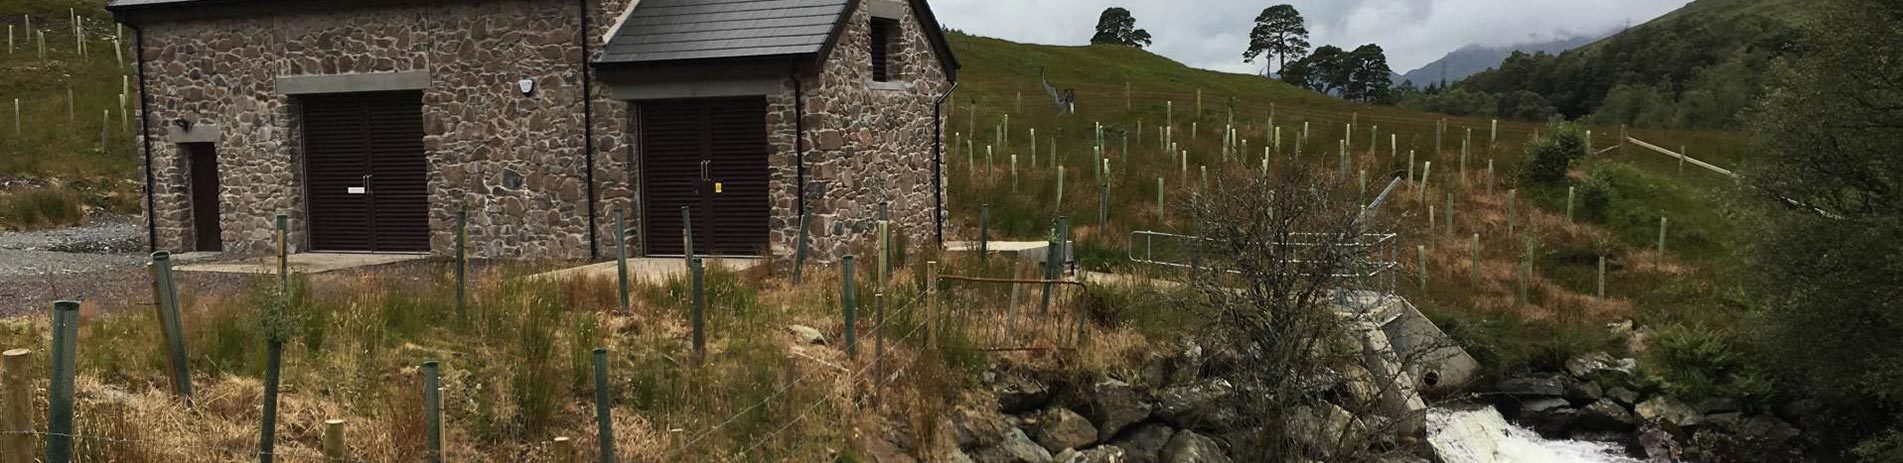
{"points": [[885, 34]]}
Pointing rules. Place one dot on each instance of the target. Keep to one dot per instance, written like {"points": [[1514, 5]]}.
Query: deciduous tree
{"points": [[1117, 27]]}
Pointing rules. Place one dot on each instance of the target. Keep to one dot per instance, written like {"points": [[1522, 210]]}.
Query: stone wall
{"points": [[480, 128], [865, 143]]}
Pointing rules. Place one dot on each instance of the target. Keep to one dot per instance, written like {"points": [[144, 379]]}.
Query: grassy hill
{"points": [[72, 136], [1130, 91]]}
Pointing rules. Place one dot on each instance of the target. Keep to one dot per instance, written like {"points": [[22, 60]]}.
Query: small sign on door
{"points": [[355, 190], [717, 187]]}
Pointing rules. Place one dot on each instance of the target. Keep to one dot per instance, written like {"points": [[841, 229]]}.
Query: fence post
{"points": [[433, 411], [878, 347], [1511, 194], [1422, 249], [687, 235], [1569, 203], [621, 257], [171, 327], [462, 262], [799, 251], [59, 409], [334, 441], [564, 450], [846, 296], [1662, 222], [695, 267], [284, 256], [984, 234], [1161, 209], [933, 317], [885, 255], [16, 428], [1059, 203], [604, 422], [1475, 268], [1602, 276], [274, 345]]}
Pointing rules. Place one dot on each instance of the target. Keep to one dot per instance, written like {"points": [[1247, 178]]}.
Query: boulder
{"points": [[1019, 394], [978, 428], [1014, 447], [1584, 392], [1725, 420], [1671, 413], [1114, 405], [1319, 427], [1541, 406], [1190, 447], [1143, 443], [1717, 405], [1201, 405], [1624, 396], [957, 456], [1606, 415], [1533, 386], [1600, 366], [1058, 428], [806, 334], [1099, 454], [1658, 444], [1767, 429], [1551, 416]]}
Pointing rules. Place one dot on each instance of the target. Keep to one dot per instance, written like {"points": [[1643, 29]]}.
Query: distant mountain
{"points": [[1472, 59]]}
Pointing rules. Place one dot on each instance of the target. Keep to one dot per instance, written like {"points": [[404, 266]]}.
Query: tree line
{"points": [[1280, 34]]}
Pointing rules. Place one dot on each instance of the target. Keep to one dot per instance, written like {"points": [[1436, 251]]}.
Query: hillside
{"points": [[1698, 67], [69, 131], [1473, 59]]}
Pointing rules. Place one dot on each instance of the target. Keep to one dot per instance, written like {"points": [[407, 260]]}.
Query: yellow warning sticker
{"points": [[717, 187]]}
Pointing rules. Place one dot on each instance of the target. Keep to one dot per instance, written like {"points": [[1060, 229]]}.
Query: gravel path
{"points": [[100, 261]]}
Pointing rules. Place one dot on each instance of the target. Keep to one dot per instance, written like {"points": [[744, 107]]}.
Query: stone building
{"points": [[372, 123]]}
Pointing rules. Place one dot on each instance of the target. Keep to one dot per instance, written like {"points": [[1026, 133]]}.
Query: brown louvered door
{"points": [[711, 156], [366, 173]]}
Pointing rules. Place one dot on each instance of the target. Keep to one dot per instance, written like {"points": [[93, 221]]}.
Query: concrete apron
{"points": [[648, 268], [305, 263]]}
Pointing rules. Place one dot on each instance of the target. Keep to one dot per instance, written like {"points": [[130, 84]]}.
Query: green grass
{"points": [[66, 102], [40, 208]]}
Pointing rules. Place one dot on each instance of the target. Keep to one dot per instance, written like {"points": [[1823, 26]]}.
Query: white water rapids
{"points": [[1481, 435]]}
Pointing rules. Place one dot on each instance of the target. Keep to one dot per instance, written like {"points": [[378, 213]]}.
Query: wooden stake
{"points": [[16, 406], [334, 441]]}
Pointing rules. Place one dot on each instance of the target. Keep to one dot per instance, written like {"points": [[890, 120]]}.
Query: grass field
{"points": [[1140, 98]]}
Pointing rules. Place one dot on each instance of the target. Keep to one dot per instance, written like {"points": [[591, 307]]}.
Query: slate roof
{"points": [[673, 30]]}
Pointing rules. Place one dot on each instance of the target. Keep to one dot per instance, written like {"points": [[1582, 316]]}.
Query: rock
{"points": [[1600, 366], [1717, 405], [1114, 405], [1190, 447], [1767, 429], [1319, 427], [806, 334], [1584, 392], [1624, 396], [1099, 454], [879, 451], [957, 456], [1606, 415], [1671, 413], [1550, 416], [1014, 447], [975, 428], [1726, 420], [1539, 406], [1058, 428], [1658, 444], [1534, 386], [1143, 443], [1019, 394], [1201, 406]]}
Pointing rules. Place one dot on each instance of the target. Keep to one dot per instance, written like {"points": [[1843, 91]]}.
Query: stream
{"points": [[1479, 434]]}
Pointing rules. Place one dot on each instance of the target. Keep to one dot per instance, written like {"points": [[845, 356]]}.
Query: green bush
{"points": [[1695, 361], [1595, 197], [1550, 156]]}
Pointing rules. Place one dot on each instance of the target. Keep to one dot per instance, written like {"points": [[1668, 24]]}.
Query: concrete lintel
{"points": [[200, 133], [350, 83], [887, 9], [695, 89], [889, 86]]}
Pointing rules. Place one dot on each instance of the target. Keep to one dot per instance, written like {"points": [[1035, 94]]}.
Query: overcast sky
{"points": [[1212, 34]]}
